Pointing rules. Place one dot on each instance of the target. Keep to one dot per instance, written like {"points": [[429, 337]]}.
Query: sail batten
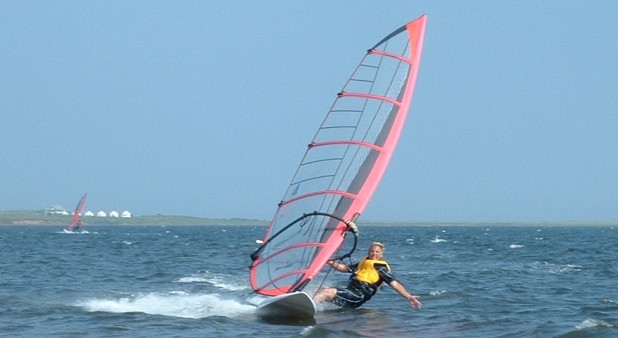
{"points": [[316, 193], [342, 165], [356, 143], [374, 97]]}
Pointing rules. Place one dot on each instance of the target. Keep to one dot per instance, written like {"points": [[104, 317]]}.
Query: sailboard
{"points": [[75, 220], [295, 304], [339, 172]]}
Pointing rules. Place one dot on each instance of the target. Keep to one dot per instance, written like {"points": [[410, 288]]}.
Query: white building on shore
{"points": [[56, 209]]}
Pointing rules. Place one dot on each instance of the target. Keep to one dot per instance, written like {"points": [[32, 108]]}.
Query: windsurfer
{"points": [[368, 276]]}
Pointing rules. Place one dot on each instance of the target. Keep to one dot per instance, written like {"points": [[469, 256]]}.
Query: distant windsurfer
{"points": [[368, 276]]}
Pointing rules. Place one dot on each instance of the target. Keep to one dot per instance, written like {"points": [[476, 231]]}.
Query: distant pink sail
{"points": [[78, 211], [342, 165]]}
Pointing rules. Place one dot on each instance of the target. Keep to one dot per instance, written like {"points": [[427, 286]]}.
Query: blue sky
{"points": [[204, 108]]}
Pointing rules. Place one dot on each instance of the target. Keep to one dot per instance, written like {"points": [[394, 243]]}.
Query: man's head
{"points": [[376, 251]]}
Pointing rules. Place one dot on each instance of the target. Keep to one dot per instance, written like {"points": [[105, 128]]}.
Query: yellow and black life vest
{"points": [[367, 270]]}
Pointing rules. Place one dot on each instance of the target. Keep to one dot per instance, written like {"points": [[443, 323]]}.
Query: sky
{"points": [[204, 108]]}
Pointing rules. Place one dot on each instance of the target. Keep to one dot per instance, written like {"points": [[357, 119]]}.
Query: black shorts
{"points": [[353, 295], [349, 298]]}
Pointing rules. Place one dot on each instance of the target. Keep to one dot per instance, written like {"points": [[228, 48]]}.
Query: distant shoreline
{"points": [[38, 218]]}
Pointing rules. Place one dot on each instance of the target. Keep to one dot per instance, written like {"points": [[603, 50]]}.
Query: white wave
{"points": [[590, 323], [437, 239], [220, 281], [516, 246], [192, 279], [65, 231], [558, 268], [175, 304], [124, 242]]}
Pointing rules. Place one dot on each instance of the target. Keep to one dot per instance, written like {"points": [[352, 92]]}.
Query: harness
{"points": [[366, 277]]}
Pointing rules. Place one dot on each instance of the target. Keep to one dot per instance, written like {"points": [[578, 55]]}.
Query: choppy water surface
{"points": [[476, 280]]}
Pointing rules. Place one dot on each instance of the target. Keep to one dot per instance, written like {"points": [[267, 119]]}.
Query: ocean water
{"points": [[192, 281]]}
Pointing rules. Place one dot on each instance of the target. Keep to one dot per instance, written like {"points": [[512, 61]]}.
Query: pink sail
{"points": [[77, 213], [342, 165]]}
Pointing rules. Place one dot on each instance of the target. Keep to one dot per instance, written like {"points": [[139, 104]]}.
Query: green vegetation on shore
{"points": [[38, 217]]}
